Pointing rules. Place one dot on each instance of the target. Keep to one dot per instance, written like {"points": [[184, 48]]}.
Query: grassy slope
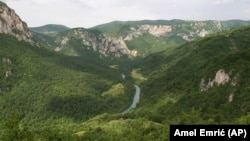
{"points": [[147, 44]]}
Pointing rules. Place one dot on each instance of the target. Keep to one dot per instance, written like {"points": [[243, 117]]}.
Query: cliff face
{"points": [[188, 31], [137, 39], [92, 40], [155, 30], [10, 23], [150, 36]]}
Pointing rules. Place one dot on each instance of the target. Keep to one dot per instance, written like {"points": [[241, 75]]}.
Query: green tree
{"points": [[12, 130], [194, 117]]}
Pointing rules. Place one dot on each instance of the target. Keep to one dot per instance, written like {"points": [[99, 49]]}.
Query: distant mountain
{"points": [[132, 38], [50, 29], [235, 23], [79, 41], [109, 27], [146, 37]]}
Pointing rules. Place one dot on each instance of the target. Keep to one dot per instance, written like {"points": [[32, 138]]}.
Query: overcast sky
{"points": [[88, 13]]}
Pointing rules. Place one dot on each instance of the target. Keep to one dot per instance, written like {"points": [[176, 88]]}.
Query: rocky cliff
{"points": [[150, 36], [186, 30], [133, 38], [138, 39], [155, 30], [91, 40], [10, 23]]}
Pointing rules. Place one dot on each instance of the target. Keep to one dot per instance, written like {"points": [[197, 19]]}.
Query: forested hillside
{"points": [[208, 77], [150, 36], [50, 29], [46, 89], [74, 84], [132, 38], [202, 82]]}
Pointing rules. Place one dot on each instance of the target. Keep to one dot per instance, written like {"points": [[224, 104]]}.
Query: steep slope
{"points": [[45, 35], [79, 41], [43, 86], [202, 82], [10, 23], [46, 95], [41, 90], [147, 37], [133, 38], [208, 77]]}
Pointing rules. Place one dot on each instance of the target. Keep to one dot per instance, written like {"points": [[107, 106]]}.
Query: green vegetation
{"points": [[172, 91], [49, 96], [144, 43], [44, 40], [116, 27], [57, 97], [50, 29], [2, 4], [235, 23], [49, 89], [147, 44], [181, 32], [112, 29], [115, 90], [46, 35]]}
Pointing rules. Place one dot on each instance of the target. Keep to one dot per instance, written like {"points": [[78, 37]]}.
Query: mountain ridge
{"points": [[48, 95], [149, 36], [91, 40], [50, 29]]}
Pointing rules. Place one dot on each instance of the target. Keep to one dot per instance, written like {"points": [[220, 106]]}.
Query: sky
{"points": [[89, 13]]}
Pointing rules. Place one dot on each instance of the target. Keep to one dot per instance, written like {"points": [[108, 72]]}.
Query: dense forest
{"points": [[179, 81], [49, 96], [42, 87]]}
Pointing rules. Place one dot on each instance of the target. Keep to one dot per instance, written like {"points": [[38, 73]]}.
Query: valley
{"points": [[120, 80]]}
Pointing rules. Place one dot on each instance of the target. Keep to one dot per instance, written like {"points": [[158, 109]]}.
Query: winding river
{"points": [[135, 100]]}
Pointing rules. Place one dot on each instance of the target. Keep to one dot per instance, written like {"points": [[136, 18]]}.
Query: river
{"points": [[135, 100]]}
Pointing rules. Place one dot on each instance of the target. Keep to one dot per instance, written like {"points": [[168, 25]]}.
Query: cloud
{"points": [[40, 1], [245, 1], [222, 1], [230, 1], [88, 13]]}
